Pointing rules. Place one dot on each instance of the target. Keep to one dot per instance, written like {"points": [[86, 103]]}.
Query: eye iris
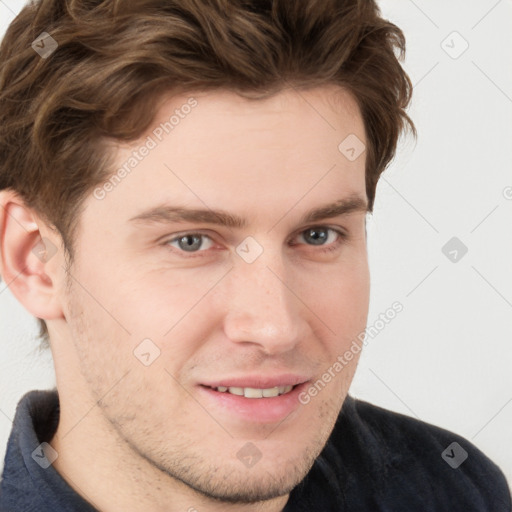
{"points": [[190, 242], [318, 236]]}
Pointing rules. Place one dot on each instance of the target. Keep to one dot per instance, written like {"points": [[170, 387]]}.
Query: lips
{"points": [[254, 399]]}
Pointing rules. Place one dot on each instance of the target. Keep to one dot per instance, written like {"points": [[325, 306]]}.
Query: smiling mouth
{"points": [[255, 392]]}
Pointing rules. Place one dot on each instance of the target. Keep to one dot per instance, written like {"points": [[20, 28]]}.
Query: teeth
{"points": [[254, 392], [267, 393]]}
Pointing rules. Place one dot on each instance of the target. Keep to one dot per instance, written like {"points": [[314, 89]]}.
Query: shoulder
{"points": [[405, 459]]}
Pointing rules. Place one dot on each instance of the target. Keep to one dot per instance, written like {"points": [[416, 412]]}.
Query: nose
{"points": [[262, 308]]}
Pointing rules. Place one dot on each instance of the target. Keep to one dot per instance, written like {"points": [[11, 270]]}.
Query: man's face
{"points": [[270, 304]]}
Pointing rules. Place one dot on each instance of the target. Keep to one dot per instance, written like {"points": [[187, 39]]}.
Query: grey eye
{"points": [[316, 236], [191, 242]]}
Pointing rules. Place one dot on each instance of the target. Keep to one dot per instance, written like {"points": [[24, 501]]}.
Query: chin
{"points": [[246, 485]]}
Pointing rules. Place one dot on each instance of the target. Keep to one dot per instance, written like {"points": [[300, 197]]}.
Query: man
{"points": [[184, 193]]}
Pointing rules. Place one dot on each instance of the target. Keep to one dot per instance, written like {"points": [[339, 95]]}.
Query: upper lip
{"points": [[258, 381]]}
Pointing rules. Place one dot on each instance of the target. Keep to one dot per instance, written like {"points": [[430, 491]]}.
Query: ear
{"points": [[31, 257]]}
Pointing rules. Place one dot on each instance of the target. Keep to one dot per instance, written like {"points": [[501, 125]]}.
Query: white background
{"points": [[447, 357]]}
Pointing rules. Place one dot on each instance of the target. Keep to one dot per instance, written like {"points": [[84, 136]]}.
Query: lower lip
{"points": [[255, 410]]}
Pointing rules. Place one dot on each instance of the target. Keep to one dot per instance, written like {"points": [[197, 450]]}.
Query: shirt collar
{"points": [[29, 481]]}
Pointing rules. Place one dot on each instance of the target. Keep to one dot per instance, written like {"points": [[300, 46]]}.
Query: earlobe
{"points": [[28, 258]]}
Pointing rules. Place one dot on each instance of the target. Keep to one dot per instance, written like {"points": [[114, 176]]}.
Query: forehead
{"points": [[329, 106], [216, 148]]}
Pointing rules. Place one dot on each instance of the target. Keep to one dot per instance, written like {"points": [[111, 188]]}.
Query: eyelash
{"points": [[342, 237]]}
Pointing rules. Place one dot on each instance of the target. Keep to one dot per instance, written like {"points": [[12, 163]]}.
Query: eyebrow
{"points": [[166, 213]]}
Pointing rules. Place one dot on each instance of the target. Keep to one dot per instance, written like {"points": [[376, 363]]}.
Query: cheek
{"points": [[342, 305], [340, 292], [168, 303]]}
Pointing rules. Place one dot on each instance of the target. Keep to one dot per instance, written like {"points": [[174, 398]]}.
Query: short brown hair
{"points": [[115, 59]]}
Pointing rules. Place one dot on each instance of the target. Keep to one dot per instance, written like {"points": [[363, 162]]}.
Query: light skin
{"points": [[147, 438]]}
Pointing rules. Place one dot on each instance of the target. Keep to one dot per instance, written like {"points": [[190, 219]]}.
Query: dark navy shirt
{"points": [[375, 461]]}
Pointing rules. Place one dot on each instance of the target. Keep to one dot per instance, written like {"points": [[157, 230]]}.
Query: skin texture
{"points": [[136, 437]]}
